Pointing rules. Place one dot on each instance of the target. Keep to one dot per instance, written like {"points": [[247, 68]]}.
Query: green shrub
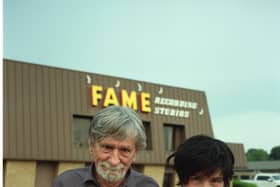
{"points": [[238, 183]]}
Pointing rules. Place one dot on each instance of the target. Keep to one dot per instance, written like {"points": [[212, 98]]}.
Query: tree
{"points": [[257, 155], [275, 153]]}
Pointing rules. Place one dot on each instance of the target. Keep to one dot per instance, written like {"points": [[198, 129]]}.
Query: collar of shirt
{"points": [[90, 176]]}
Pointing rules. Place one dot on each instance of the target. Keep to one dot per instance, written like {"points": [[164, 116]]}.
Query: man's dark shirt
{"points": [[84, 177]]}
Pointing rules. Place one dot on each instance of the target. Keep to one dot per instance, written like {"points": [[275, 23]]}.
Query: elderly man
{"points": [[115, 135]]}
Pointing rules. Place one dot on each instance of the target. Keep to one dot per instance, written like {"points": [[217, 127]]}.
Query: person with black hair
{"points": [[203, 161]]}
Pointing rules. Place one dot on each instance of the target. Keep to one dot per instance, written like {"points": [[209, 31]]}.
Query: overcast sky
{"points": [[229, 49]]}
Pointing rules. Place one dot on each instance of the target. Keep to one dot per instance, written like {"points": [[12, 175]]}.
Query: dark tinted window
{"points": [[174, 135], [80, 130]]}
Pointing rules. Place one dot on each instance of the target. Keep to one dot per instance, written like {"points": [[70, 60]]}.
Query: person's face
{"points": [[113, 157], [215, 180]]}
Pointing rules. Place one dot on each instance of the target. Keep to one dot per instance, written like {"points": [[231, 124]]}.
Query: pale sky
{"points": [[229, 49]]}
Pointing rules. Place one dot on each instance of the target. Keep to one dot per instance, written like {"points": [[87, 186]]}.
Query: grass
{"points": [[238, 183]]}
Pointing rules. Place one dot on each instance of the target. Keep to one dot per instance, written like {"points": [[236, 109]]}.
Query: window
{"points": [[138, 167], [262, 178], [80, 130], [168, 180], [174, 135], [87, 164], [276, 177], [147, 126], [45, 173], [244, 177]]}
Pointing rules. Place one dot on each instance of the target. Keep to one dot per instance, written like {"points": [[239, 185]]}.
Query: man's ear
{"points": [[134, 158], [135, 155], [90, 147]]}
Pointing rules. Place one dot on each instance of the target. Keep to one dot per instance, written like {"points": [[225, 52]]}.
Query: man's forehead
{"points": [[129, 141]]}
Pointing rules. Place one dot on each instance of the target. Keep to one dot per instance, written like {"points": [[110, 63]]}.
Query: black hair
{"points": [[205, 155]]}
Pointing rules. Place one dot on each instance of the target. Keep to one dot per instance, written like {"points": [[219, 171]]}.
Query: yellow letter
{"points": [[110, 98], [130, 101], [145, 102], [95, 94]]}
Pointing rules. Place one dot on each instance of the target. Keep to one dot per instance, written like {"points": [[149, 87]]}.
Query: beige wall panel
{"points": [[53, 114], [20, 173], [240, 157], [33, 112], [5, 112], [76, 108], [40, 117], [26, 111], [67, 117], [84, 93], [18, 115], [156, 172], [47, 113], [176, 180], [59, 105], [71, 108], [12, 126]]}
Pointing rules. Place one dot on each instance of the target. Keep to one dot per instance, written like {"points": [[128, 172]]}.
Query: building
{"points": [[254, 167], [271, 166], [47, 112]]}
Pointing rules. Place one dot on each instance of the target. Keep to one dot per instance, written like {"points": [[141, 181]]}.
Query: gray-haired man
{"points": [[115, 135]]}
